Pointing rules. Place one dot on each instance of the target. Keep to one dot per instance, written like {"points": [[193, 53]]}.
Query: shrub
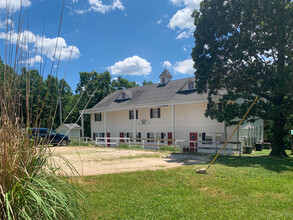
{"points": [[129, 146], [31, 185], [170, 148]]}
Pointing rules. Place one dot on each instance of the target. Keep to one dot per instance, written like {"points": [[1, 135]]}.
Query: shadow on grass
{"points": [[187, 158], [269, 163]]}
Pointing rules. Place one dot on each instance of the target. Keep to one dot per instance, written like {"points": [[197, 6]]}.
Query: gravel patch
{"points": [[103, 160]]}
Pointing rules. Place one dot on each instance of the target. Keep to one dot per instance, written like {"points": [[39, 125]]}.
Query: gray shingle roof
{"points": [[150, 94], [166, 73], [72, 126]]}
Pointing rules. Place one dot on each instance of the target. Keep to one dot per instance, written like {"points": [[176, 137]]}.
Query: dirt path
{"points": [[96, 160]]}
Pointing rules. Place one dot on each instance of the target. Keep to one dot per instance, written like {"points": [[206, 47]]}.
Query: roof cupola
{"points": [[165, 77]]}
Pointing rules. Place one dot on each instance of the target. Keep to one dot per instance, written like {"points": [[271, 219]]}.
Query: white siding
{"points": [[72, 133], [188, 118]]}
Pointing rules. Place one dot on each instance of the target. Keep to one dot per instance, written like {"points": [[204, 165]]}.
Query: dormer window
{"points": [[191, 85], [123, 95], [165, 77]]}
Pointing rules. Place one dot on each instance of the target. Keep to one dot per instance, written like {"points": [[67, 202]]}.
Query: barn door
{"points": [[192, 145], [122, 136]]}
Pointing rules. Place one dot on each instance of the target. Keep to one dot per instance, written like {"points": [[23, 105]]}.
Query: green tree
{"points": [[145, 83], [122, 83], [94, 87], [245, 48]]}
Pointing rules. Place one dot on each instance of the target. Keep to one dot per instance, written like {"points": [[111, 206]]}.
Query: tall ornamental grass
{"points": [[31, 187]]}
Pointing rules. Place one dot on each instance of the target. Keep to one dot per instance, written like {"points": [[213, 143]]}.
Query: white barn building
{"points": [[171, 109], [71, 130]]}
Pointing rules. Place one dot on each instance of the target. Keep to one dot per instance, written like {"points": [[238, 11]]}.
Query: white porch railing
{"points": [[211, 147]]}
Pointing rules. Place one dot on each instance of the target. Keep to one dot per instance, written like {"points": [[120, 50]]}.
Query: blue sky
{"points": [[137, 39]]}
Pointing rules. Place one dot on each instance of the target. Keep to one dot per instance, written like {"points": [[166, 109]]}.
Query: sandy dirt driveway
{"points": [[102, 160]]}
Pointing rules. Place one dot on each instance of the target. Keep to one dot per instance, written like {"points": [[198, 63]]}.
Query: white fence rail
{"points": [[211, 147]]}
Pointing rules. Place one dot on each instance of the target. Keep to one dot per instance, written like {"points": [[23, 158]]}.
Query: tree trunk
{"points": [[278, 149]]}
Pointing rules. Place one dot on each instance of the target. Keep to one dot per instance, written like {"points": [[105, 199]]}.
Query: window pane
{"points": [[190, 85], [98, 117], [158, 135], [151, 135], [131, 114], [130, 135], [155, 113], [101, 135], [219, 137], [209, 137]]}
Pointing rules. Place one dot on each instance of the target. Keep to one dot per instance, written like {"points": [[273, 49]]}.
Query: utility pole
{"points": [[60, 109]]}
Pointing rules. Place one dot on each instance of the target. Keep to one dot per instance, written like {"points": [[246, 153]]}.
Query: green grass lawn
{"points": [[250, 187]]}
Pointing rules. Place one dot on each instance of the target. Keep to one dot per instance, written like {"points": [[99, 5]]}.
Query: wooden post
{"points": [[173, 122], [105, 125], [216, 147], [134, 124], [238, 146], [82, 125]]}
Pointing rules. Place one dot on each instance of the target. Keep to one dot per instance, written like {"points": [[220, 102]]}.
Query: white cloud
{"points": [[162, 18], [184, 34], [49, 45], [166, 64], [43, 45], [189, 3], [134, 66], [184, 67], [32, 61], [3, 24], [99, 7], [186, 47], [182, 19], [14, 4]]}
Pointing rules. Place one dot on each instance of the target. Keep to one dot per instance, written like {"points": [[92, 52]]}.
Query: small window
{"points": [[151, 135], [207, 138], [158, 135], [95, 135], [138, 135], [129, 135], [101, 136], [161, 135], [219, 137], [131, 114], [98, 117], [123, 95], [163, 80], [191, 85], [155, 113]]}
